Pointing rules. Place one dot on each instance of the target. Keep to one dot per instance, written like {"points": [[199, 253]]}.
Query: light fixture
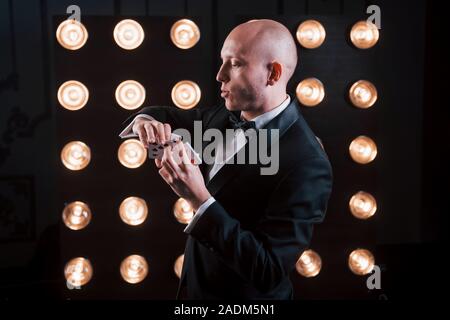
{"points": [[178, 265], [310, 92], [73, 95], [78, 271], [183, 211], [363, 150], [130, 94], [128, 34], [363, 205], [71, 34], [76, 215], [133, 211], [310, 34], [364, 34], [134, 269], [363, 94], [75, 155], [361, 262], [186, 94], [309, 264], [132, 153], [185, 34]]}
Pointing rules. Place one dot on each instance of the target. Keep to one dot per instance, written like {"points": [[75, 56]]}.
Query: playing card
{"points": [[156, 150]]}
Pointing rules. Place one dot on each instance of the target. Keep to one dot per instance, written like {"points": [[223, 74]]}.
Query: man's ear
{"points": [[275, 70]]}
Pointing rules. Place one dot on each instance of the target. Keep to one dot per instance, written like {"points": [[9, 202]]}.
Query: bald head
{"points": [[258, 59], [270, 40]]}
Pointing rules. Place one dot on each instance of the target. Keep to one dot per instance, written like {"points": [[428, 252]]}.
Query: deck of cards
{"points": [[156, 150]]}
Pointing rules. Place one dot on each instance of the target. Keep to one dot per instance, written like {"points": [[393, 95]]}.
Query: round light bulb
{"points": [[183, 211], [361, 262], [309, 264], [310, 92], [76, 215], [364, 34], [363, 94], [184, 34], [75, 155], [132, 153], [134, 269], [363, 150], [186, 94], [78, 271], [73, 95], [363, 205], [133, 211], [128, 34], [178, 265], [71, 34], [130, 94], [310, 34]]}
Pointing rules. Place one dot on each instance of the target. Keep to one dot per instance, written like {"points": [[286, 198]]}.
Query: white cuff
{"points": [[128, 131], [205, 205]]}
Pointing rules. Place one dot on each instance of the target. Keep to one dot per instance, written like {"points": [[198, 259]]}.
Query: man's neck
{"points": [[269, 105]]}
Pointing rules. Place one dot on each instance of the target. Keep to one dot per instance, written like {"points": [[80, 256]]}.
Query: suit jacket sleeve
{"points": [[176, 117], [266, 255]]}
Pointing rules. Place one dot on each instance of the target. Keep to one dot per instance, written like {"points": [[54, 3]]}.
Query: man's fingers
{"points": [[150, 134], [167, 131], [159, 131], [183, 153], [169, 164], [166, 175], [142, 136]]}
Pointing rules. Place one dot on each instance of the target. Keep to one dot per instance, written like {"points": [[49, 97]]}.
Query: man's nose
{"points": [[221, 75]]}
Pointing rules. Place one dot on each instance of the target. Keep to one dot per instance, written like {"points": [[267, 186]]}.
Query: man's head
{"points": [[258, 59]]}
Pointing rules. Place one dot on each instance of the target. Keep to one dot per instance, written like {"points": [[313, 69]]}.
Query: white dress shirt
{"points": [[223, 153]]}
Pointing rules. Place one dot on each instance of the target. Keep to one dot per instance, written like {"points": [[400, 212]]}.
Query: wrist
{"points": [[199, 200]]}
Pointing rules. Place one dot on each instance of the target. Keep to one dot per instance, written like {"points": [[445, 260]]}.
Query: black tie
{"points": [[241, 124]]}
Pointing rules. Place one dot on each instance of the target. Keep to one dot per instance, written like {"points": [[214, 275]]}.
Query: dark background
{"points": [[405, 234]]}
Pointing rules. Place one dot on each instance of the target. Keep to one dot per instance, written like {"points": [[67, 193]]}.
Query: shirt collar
{"points": [[265, 118]]}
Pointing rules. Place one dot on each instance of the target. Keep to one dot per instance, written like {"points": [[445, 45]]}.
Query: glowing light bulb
{"points": [[178, 265], [309, 264], [364, 34], [132, 153], [363, 205], [361, 262], [78, 272], [184, 34], [75, 155], [133, 211], [363, 94], [71, 34], [310, 92], [134, 269], [76, 215], [310, 34], [186, 94], [363, 150], [130, 94], [73, 95], [183, 211], [128, 34]]}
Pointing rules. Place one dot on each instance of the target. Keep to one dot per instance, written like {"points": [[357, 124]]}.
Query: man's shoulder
{"points": [[300, 142]]}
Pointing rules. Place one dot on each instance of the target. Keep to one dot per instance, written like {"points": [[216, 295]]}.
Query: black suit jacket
{"points": [[246, 243]]}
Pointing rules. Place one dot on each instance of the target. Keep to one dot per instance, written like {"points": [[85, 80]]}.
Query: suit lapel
{"points": [[283, 122]]}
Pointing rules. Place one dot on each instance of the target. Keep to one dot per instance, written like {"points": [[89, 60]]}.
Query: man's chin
{"points": [[230, 106]]}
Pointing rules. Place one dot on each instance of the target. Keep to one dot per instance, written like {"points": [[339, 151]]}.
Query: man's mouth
{"points": [[224, 94]]}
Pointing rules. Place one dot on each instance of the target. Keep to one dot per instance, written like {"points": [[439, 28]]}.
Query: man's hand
{"points": [[152, 131], [182, 176]]}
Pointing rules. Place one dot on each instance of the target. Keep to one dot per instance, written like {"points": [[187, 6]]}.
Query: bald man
{"points": [[249, 229]]}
